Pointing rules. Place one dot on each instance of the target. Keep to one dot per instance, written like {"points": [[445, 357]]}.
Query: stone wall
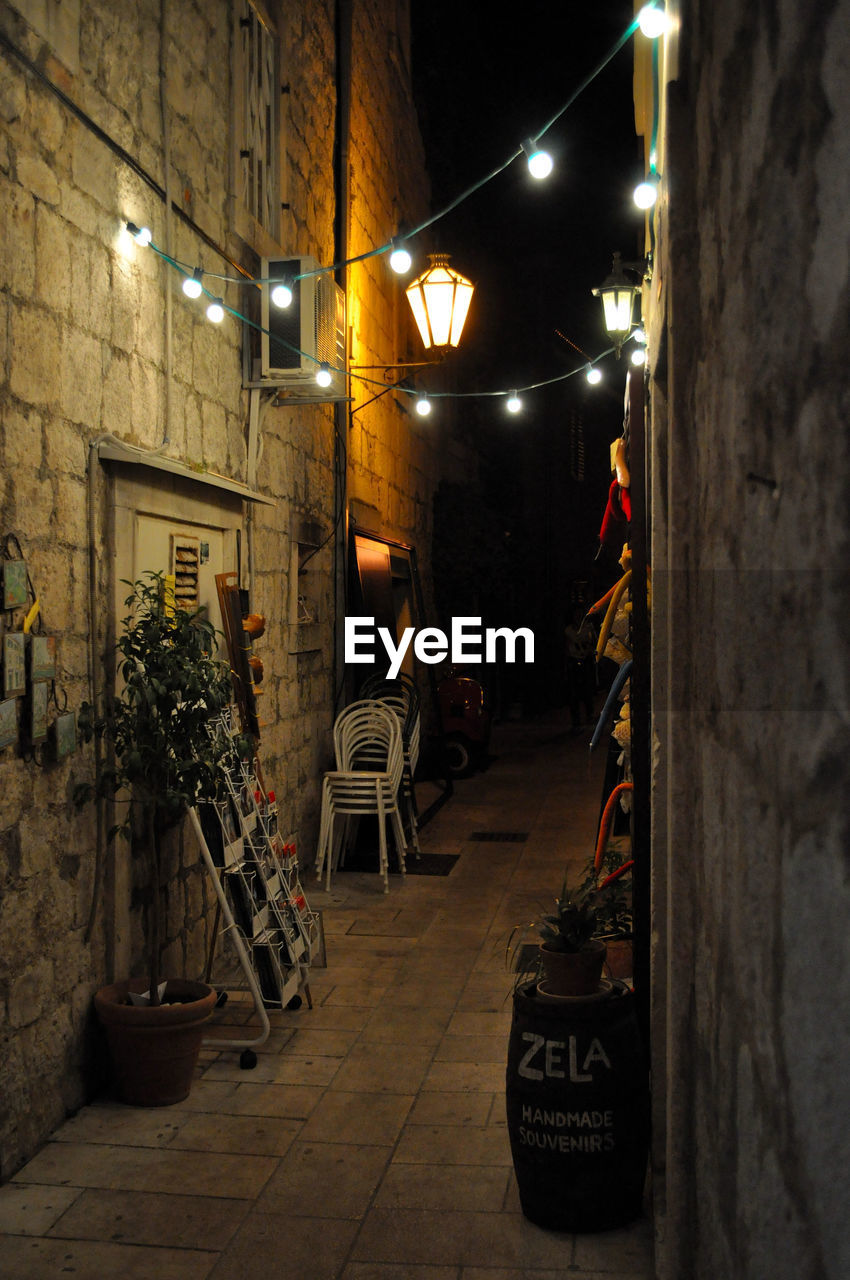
{"points": [[750, 544], [97, 339]]}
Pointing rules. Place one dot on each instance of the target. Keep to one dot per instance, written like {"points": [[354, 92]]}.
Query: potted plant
{"points": [[164, 759], [568, 958], [612, 889], [570, 952]]}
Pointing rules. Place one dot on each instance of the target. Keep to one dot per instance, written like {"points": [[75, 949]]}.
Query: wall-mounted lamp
{"points": [[439, 300], [618, 293]]}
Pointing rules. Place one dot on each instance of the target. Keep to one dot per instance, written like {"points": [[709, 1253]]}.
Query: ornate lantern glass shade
{"points": [[618, 295], [439, 300]]}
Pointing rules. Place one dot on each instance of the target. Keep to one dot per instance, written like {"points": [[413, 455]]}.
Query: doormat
{"points": [[427, 864], [500, 837]]}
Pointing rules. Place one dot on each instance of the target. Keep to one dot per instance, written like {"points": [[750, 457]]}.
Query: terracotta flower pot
{"points": [[154, 1049], [619, 962], [573, 973]]}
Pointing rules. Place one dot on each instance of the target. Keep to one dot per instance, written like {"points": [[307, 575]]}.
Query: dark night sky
{"points": [[534, 249]]}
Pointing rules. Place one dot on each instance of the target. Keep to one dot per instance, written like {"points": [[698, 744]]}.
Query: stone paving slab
{"points": [[77, 1164], [32, 1210], [153, 1218], [26, 1258]]}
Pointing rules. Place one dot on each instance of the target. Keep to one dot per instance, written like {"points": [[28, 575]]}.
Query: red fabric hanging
{"points": [[618, 513]]}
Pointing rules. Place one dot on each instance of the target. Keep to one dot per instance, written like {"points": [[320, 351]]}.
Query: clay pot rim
{"points": [[111, 1006], [592, 947]]}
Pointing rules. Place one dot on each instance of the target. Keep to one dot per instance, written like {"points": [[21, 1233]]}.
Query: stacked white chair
{"points": [[402, 695], [367, 780]]}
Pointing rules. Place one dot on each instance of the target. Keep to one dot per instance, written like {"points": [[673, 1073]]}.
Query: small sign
{"points": [[42, 657], [14, 584], [8, 723], [39, 692], [14, 664], [65, 728]]}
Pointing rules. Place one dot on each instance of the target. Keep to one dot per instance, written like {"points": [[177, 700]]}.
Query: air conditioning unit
{"points": [[297, 339]]}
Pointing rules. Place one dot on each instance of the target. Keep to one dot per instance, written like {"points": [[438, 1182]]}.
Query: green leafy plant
{"points": [[158, 725], [611, 887], [569, 927], [573, 922]]}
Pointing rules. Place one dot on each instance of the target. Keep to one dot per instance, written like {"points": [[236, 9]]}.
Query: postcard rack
{"points": [[261, 905]]}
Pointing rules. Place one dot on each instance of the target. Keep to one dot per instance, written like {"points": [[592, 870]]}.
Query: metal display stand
{"points": [[259, 895]]}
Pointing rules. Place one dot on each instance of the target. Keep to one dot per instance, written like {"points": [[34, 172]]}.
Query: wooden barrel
{"points": [[577, 1094]]}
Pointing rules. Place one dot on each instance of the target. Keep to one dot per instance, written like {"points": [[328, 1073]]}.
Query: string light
{"points": [[400, 259], [217, 309], [423, 405], [652, 21], [593, 375], [639, 336], [645, 193], [141, 235], [474, 187], [540, 162], [193, 284], [639, 356], [281, 295]]}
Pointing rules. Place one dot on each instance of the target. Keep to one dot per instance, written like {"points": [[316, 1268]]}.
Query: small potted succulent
{"points": [[571, 955], [568, 958], [163, 760]]}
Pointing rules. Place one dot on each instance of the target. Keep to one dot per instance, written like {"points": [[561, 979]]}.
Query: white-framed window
{"points": [[257, 117]]}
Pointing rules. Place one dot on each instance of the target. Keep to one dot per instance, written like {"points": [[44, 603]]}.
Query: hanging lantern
{"points": [[617, 293], [439, 300]]}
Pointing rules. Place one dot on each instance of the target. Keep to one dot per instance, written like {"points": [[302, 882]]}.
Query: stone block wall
{"points": [[750, 578], [96, 339], [396, 457]]}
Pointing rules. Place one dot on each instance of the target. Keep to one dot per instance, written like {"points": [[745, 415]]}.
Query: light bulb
{"points": [[192, 286], [215, 311], [639, 356], [141, 235], [323, 376], [540, 163], [639, 336], [281, 295], [400, 259], [514, 403], [423, 406], [652, 21], [593, 375], [645, 193]]}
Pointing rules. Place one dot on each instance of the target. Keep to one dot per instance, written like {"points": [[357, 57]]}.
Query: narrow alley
{"points": [[370, 1142]]}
